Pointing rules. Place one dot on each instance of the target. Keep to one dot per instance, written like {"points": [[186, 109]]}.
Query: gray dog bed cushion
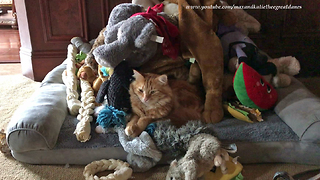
{"points": [[41, 130]]}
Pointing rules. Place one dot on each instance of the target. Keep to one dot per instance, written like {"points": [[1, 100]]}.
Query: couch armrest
{"points": [[300, 110]]}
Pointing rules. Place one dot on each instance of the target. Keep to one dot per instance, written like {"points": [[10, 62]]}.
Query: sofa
{"points": [[41, 130]]}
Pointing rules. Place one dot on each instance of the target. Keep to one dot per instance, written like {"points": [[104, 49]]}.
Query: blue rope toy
{"points": [[111, 117]]}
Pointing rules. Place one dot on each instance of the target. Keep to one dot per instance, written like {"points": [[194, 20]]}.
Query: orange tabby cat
{"points": [[153, 97]]}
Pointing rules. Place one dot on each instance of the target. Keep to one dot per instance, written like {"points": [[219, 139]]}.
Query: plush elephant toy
{"points": [[127, 38]]}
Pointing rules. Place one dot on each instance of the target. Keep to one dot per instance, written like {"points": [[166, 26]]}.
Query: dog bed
{"points": [[41, 130]]}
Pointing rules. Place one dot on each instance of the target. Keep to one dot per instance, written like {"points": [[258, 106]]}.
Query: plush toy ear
{"points": [[163, 79], [110, 55], [138, 76], [174, 163], [145, 35]]}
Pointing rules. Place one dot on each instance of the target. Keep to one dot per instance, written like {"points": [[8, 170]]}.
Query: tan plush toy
{"points": [[204, 152], [87, 73], [146, 3], [286, 67], [244, 21]]}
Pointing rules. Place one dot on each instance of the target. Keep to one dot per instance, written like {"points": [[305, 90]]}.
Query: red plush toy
{"points": [[252, 89]]}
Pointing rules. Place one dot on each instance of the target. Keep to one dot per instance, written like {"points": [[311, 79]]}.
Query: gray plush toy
{"points": [[127, 38]]}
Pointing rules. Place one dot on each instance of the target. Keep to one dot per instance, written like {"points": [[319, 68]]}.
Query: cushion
{"points": [[300, 110]]}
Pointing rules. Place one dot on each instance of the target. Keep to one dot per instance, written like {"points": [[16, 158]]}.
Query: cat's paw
{"points": [[132, 131]]}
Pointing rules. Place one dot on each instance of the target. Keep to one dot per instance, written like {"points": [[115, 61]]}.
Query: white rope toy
{"points": [[122, 170], [83, 128], [71, 81]]}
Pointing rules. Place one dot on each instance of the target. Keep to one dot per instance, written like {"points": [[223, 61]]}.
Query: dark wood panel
{"points": [[96, 17], [98, 14], [302, 22], [63, 20]]}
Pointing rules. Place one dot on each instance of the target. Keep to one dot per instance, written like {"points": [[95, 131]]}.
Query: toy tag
{"points": [[157, 39]]}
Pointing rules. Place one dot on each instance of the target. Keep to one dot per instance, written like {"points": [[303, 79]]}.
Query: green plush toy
{"points": [[252, 89]]}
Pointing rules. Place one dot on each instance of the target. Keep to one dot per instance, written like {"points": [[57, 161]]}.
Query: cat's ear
{"points": [[163, 79], [138, 76]]}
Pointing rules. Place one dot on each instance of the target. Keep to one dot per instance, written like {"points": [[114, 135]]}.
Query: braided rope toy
{"points": [[84, 108], [71, 81], [122, 170], [83, 128]]}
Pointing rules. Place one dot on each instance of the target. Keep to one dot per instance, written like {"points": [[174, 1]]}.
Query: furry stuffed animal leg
{"points": [[194, 74], [206, 48], [288, 65], [281, 80]]}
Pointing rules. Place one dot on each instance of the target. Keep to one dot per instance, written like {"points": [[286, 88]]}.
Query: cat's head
{"points": [[150, 88]]}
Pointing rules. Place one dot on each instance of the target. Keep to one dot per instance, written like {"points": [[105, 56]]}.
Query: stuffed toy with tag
{"points": [[133, 35]]}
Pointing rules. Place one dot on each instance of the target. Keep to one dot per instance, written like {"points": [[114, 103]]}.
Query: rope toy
{"points": [[4, 148], [122, 170], [110, 117], [71, 81], [83, 128]]}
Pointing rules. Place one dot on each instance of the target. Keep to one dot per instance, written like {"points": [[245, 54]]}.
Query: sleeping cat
{"points": [[154, 97]]}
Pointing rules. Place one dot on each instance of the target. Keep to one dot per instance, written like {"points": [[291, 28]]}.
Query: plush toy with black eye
{"points": [[252, 89]]}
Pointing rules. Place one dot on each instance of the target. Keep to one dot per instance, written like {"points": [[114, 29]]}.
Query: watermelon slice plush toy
{"points": [[252, 90]]}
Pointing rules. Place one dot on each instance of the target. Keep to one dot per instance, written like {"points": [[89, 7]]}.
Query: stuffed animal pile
{"points": [[161, 38]]}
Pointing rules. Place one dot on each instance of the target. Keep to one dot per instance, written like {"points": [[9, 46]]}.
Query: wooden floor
{"points": [[9, 45], [9, 51]]}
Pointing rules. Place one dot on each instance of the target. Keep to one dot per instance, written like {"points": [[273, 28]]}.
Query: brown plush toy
{"points": [[87, 73], [197, 28]]}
